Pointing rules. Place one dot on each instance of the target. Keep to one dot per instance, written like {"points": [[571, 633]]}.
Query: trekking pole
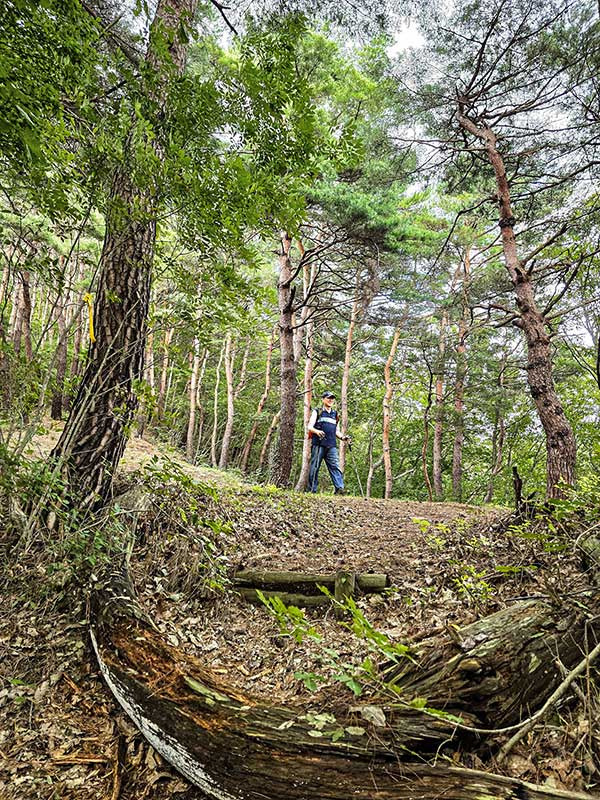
{"points": [[362, 494]]}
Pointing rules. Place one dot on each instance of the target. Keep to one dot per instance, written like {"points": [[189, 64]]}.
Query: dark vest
{"points": [[327, 422]]}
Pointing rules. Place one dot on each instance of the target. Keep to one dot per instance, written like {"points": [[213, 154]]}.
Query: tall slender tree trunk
{"points": [[269, 435], [191, 427], [373, 465], [498, 436], [425, 445], [261, 404], [164, 372], [459, 384], [232, 394], [5, 389], [199, 405], [560, 441], [22, 316], [145, 406], [288, 371], [95, 434], [229, 362], [346, 375], [387, 413], [213, 439], [4, 284], [76, 322], [308, 279], [302, 481], [58, 399], [438, 430]]}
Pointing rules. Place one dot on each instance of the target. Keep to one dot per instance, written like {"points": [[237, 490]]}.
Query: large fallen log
{"points": [[235, 747], [504, 665]]}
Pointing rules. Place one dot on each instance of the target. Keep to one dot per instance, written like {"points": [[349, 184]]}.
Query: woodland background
{"points": [[316, 208]]}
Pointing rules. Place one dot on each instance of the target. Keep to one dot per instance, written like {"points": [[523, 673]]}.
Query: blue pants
{"points": [[330, 454]]}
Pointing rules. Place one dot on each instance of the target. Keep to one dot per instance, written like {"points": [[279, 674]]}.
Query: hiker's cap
{"points": [[328, 394]]}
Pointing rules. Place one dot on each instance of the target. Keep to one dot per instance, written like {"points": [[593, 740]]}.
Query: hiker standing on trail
{"points": [[322, 429]]}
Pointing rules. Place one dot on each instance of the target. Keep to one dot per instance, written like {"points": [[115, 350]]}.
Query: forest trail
{"points": [[448, 564]]}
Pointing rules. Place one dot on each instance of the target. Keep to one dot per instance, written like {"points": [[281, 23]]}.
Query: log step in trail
{"points": [[302, 588]]}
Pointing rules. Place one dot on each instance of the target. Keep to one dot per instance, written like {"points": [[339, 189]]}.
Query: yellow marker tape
{"points": [[87, 298]]}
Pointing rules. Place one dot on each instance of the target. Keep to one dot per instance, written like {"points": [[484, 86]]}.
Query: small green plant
{"points": [[291, 620], [472, 585], [435, 542], [424, 524]]}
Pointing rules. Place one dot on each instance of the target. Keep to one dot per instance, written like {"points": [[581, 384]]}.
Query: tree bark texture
{"points": [[288, 372], [560, 441], [237, 747], [96, 432]]}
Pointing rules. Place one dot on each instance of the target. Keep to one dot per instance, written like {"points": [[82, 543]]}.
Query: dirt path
{"points": [[61, 735]]}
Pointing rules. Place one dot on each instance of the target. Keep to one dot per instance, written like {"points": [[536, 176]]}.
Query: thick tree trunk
{"points": [[95, 434], [261, 404], [288, 372], [438, 429], [387, 413], [237, 747], [560, 441]]}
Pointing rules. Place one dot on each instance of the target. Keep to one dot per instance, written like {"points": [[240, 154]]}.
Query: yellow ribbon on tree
{"points": [[87, 298]]}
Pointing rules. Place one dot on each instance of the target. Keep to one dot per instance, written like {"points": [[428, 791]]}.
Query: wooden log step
{"points": [[289, 598], [305, 583]]}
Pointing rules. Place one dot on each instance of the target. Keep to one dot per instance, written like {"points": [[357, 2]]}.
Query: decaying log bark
{"points": [[235, 747], [503, 666]]}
